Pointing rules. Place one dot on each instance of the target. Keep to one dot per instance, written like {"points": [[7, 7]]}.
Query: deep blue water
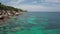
{"points": [[35, 23]]}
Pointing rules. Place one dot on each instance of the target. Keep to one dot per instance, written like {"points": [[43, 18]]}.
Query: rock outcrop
{"points": [[6, 11]]}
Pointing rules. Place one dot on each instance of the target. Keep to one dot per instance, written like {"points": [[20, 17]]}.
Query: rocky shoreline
{"points": [[7, 13]]}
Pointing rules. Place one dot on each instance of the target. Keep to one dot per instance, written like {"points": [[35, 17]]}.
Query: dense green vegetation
{"points": [[4, 7]]}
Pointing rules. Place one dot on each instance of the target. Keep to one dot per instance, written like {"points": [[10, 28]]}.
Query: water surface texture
{"points": [[34, 23]]}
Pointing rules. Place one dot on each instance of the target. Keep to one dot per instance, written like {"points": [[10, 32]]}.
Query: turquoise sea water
{"points": [[34, 23]]}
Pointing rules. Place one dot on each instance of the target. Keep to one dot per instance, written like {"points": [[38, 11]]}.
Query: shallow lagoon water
{"points": [[35, 23]]}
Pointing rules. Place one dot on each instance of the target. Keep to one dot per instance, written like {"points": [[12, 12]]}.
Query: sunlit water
{"points": [[34, 23]]}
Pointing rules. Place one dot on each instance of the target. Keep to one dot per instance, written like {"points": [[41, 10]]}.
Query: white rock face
{"points": [[0, 16]]}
